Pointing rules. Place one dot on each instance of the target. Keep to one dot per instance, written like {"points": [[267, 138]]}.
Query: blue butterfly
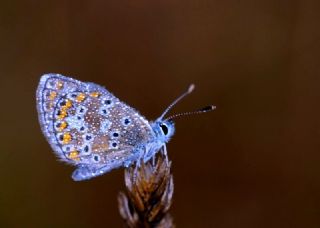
{"points": [[90, 128]]}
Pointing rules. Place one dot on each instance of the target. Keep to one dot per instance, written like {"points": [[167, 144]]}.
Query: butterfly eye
{"points": [[164, 129]]}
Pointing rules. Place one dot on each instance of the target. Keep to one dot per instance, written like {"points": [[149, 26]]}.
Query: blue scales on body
{"points": [[90, 128]]}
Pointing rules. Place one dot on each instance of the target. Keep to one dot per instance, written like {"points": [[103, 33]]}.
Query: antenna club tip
{"points": [[191, 88], [208, 108]]}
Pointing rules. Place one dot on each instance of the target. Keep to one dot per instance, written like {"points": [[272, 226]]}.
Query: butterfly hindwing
{"points": [[88, 126], [51, 89]]}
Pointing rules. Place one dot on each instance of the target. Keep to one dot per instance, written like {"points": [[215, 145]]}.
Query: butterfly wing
{"points": [[89, 127]]}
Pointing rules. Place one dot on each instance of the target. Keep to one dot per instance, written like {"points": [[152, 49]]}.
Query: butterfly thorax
{"points": [[162, 132]]}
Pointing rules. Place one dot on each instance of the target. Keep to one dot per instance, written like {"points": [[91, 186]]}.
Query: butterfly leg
{"points": [[165, 153], [153, 160], [138, 164]]}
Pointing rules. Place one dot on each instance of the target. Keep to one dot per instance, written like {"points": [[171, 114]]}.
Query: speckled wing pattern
{"points": [[89, 127]]}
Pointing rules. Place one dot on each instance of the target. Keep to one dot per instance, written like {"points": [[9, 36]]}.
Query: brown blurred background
{"points": [[254, 162]]}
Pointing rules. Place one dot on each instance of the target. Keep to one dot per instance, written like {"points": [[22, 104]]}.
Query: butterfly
{"points": [[90, 128]]}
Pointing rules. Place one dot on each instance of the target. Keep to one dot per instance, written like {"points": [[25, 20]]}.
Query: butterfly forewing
{"points": [[88, 126]]}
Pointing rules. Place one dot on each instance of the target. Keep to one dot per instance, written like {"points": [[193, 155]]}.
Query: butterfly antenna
{"points": [[202, 110], [190, 89]]}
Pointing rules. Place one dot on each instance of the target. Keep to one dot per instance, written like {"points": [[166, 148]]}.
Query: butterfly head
{"points": [[163, 129]]}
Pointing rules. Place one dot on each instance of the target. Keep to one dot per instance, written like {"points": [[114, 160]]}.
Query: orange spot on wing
{"points": [[80, 97], [52, 95], [49, 105], [63, 114], [66, 138], [74, 155], [63, 111], [59, 85], [95, 94], [62, 126], [68, 103]]}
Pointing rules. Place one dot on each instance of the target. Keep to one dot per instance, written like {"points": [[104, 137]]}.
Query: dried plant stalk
{"points": [[149, 195]]}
